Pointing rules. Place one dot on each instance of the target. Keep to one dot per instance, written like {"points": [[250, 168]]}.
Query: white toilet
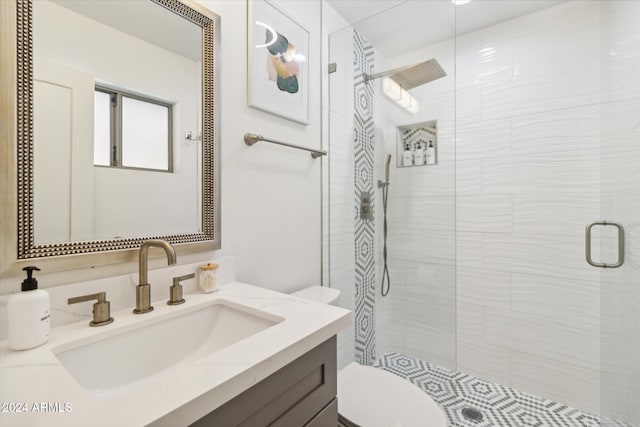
{"points": [[372, 397]]}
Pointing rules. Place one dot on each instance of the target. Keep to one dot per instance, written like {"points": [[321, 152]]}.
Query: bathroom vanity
{"points": [[244, 353], [242, 356]]}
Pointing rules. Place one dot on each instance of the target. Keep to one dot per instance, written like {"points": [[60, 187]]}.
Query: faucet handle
{"points": [[175, 291], [101, 309]]}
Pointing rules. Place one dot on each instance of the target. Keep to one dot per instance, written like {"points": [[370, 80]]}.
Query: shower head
{"points": [[419, 74], [412, 76]]}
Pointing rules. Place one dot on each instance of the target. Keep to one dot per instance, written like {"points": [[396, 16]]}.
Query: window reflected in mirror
{"points": [[102, 139], [132, 131]]}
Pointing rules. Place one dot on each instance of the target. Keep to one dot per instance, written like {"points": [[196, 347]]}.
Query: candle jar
{"points": [[207, 277]]}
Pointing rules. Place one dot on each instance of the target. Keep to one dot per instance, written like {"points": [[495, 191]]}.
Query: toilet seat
{"points": [[372, 397]]}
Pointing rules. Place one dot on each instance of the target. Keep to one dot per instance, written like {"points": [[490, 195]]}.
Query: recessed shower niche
{"points": [[417, 144]]}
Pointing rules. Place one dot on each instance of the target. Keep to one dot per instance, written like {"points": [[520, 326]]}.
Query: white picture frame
{"points": [[277, 62]]}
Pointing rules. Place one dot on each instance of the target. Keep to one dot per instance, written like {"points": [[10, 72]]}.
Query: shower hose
{"points": [[385, 272]]}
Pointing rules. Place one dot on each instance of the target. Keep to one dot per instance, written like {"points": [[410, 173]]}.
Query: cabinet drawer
{"points": [[328, 417], [292, 396]]}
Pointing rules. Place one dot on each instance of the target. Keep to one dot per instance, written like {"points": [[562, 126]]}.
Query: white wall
{"points": [[271, 200]]}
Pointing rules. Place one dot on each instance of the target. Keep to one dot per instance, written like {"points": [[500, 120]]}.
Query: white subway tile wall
{"points": [[514, 194], [539, 144]]}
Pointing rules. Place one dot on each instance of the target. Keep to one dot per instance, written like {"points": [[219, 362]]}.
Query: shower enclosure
{"points": [[535, 141]]}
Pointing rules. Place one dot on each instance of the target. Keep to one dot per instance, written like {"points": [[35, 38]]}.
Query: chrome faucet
{"points": [[143, 290]]}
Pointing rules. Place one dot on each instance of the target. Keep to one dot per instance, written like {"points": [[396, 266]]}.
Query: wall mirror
{"points": [[116, 137]]}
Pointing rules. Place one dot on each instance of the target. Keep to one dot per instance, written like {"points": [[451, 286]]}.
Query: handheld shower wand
{"points": [[385, 183], [386, 168], [385, 195]]}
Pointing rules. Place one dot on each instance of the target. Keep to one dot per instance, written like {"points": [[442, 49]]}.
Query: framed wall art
{"points": [[278, 62]]}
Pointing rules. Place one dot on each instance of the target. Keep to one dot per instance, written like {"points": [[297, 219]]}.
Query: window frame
{"points": [[115, 126]]}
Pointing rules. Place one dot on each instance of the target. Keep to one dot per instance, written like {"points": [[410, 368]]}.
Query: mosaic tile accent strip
{"points": [[500, 406], [421, 134], [364, 181]]}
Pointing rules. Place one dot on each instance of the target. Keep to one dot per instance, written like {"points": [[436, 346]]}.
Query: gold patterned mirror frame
{"points": [[27, 248]]}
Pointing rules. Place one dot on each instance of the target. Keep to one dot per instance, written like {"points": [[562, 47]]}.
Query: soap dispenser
{"points": [[430, 154], [407, 156], [28, 315], [418, 155]]}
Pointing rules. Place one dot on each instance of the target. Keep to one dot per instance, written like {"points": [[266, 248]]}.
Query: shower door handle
{"points": [[620, 244]]}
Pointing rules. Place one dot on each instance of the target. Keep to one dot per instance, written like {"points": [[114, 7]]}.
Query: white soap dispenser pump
{"points": [[418, 155], [28, 315], [430, 154], [407, 156]]}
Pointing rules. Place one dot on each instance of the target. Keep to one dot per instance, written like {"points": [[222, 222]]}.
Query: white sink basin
{"points": [[151, 347]]}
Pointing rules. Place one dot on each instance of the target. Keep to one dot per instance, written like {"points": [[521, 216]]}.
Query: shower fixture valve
{"points": [[365, 206]]}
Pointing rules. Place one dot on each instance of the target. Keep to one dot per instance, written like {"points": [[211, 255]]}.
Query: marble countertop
{"points": [[35, 383]]}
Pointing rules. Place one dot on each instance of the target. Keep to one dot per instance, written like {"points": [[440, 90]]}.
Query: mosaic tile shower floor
{"points": [[500, 406]]}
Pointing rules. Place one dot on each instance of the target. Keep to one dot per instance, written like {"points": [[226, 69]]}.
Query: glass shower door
{"points": [[620, 202], [412, 316]]}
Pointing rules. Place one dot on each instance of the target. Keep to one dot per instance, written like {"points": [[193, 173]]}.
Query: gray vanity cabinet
{"points": [[303, 393]]}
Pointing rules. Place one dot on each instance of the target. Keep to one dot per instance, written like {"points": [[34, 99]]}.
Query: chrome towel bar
{"points": [[252, 138]]}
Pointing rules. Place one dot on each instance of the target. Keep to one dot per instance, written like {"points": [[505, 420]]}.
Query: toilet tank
{"points": [[322, 294]]}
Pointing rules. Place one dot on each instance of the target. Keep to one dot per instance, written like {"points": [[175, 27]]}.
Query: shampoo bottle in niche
{"points": [[418, 155], [407, 156], [430, 154], [28, 315]]}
